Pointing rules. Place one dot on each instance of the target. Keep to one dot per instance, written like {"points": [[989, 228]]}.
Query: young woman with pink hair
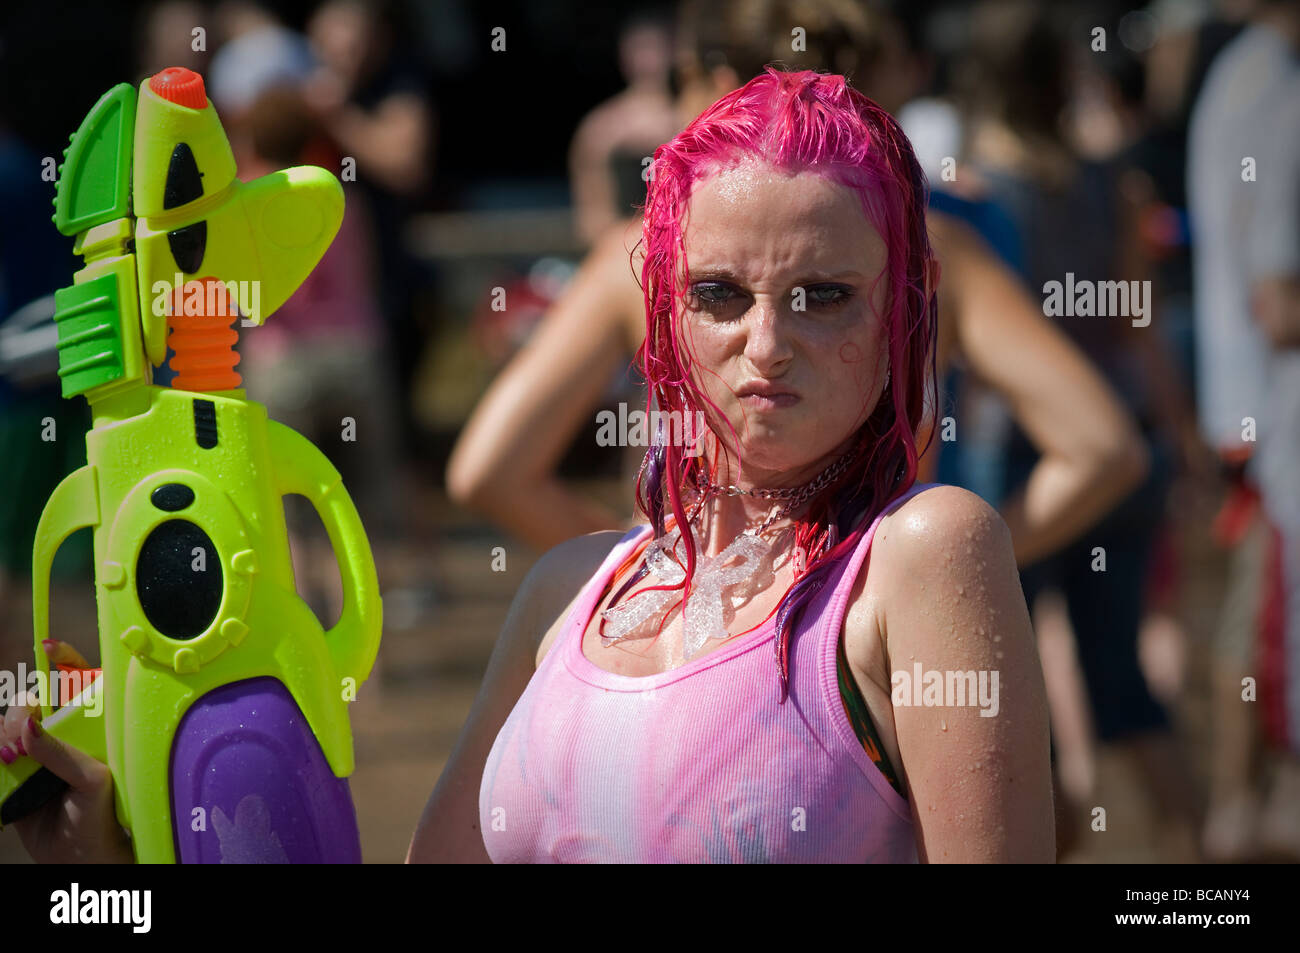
{"points": [[742, 691]]}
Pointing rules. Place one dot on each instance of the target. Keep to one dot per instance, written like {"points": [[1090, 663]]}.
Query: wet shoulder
{"points": [[943, 534]]}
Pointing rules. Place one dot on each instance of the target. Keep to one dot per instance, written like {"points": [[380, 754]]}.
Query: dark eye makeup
{"points": [[718, 296]]}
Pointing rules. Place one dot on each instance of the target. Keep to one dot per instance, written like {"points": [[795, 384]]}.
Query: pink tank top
{"points": [[695, 765]]}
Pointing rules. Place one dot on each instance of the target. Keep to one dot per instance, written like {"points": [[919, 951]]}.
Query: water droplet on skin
{"points": [[961, 590], [943, 725]]}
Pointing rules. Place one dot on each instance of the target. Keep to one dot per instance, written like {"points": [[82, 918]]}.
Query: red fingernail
{"points": [[34, 727], [18, 746], [6, 755]]}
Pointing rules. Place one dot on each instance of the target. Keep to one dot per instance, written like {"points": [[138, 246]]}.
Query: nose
{"points": [[767, 340]]}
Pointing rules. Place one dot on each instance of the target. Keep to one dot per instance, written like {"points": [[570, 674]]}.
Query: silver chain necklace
{"points": [[793, 497]]}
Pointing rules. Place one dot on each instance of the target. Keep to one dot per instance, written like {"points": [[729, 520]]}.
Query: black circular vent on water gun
{"points": [[178, 579]]}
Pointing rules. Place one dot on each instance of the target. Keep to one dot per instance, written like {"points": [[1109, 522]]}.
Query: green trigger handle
{"points": [[74, 505], [25, 784], [299, 467]]}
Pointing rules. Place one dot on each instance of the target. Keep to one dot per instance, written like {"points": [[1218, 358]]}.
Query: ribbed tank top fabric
{"points": [[694, 765]]}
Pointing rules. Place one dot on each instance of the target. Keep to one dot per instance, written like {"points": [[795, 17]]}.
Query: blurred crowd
{"points": [[1075, 144]]}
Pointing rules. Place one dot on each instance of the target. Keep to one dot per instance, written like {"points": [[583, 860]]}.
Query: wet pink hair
{"points": [[795, 121]]}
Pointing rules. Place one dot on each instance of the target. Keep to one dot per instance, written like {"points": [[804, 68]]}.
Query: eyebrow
{"points": [[727, 274]]}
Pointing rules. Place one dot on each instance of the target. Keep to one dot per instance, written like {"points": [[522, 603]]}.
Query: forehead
{"points": [[760, 220]]}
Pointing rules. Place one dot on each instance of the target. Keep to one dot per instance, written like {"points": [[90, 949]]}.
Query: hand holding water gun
{"points": [[221, 708], [81, 826]]}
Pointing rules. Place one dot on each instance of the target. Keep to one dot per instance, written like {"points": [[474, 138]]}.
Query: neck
{"points": [[726, 516]]}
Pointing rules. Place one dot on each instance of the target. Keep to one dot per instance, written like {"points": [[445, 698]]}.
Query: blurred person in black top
{"points": [[369, 96]]}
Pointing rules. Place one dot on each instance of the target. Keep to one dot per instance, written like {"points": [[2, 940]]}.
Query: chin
{"points": [[776, 455]]}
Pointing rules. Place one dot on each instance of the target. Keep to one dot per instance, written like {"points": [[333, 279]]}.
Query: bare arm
{"points": [[448, 831], [504, 463], [1092, 454], [590, 181], [980, 786], [393, 143]]}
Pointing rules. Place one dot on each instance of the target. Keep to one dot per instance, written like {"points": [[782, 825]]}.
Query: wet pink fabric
{"points": [[695, 765]]}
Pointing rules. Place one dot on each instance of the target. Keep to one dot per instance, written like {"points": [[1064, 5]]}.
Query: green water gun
{"points": [[221, 709]]}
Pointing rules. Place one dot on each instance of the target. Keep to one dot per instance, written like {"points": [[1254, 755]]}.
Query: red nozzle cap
{"points": [[181, 86]]}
